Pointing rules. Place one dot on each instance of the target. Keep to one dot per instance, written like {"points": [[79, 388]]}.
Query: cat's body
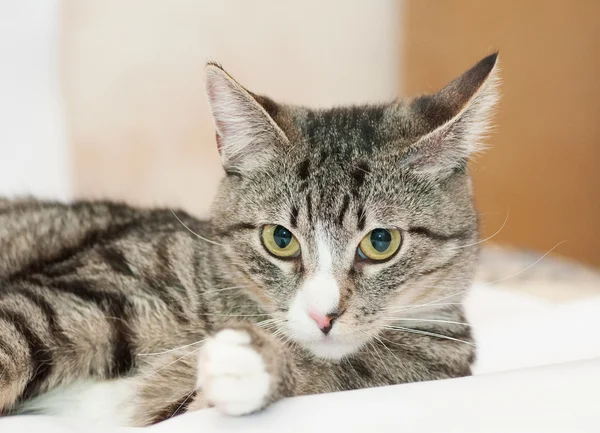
{"points": [[178, 313]]}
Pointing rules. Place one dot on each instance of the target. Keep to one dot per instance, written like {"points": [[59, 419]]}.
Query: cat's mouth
{"points": [[335, 345], [332, 348]]}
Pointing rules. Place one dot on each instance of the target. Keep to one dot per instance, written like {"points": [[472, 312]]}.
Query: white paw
{"points": [[231, 374]]}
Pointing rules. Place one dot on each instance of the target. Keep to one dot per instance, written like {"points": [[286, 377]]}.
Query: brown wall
{"points": [[545, 153]]}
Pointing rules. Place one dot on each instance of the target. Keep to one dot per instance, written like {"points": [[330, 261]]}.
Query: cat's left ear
{"points": [[453, 122], [247, 135]]}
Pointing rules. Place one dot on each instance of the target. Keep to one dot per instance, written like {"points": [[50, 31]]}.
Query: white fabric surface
{"points": [[557, 398], [538, 371]]}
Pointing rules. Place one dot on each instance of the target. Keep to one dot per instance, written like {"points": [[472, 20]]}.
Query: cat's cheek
{"points": [[232, 375]]}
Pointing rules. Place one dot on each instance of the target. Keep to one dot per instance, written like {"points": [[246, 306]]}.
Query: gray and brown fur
{"points": [[87, 288]]}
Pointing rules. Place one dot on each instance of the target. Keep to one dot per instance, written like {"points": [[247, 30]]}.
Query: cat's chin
{"points": [[331, 349]]}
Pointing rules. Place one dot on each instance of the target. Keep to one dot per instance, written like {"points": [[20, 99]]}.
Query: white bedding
{"points": [[538, 371]]}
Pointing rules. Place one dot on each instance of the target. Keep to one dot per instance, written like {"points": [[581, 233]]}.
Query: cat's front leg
{"points": [[242, 369]]}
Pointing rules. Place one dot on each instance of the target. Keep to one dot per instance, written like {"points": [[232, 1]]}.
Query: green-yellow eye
{"points": [[280, 242], [380, 244]]}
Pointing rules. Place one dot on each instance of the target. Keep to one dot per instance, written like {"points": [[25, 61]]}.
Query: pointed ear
{"points": [[454, 120], [247, 136]]}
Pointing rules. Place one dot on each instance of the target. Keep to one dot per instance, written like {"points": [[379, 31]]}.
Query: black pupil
{"points": [[381, 239], [282, 237]]}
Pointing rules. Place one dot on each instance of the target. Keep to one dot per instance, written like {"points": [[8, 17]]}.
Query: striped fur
{"points": [[101, 291]]}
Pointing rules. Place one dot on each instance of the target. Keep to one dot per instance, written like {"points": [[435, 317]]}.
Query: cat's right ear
{"points": [[247, 136], [454, 121]]}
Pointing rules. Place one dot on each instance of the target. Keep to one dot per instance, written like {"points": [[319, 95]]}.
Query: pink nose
{"points": [[324, 321]]}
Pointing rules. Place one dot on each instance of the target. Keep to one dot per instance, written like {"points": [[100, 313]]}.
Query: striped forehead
{"points": [[345, 130], [329, 198]]}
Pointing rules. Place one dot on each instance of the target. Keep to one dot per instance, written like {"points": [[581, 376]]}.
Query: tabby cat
{"points": [[339, 248]]}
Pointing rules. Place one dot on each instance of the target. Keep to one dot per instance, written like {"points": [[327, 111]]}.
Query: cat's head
{"points": [[337, 221]]}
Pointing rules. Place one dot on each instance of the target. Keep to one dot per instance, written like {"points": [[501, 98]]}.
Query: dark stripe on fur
{"points": [[39, 353], [294, 217], [344, 209], [232, 229], [438, 236], [123, 350], [47, 310], [114, 306], [304, 170], [116, 260], [358, 174], [360, 216], [176, 408], [62, 269], [233, 173], [323, 157], [309, 207], [165, 280], [91, 239]]}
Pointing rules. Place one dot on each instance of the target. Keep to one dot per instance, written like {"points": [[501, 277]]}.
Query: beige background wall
{"points": [[139, 124]]}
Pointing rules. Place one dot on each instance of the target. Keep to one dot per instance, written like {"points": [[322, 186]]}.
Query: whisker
{"points": [[370, 346], [172, 362], [425, 320], [486, 239], [347, 360], [233, 315], [528, 267], [287, 339], [265, 322], [379, 339], [402, 307], [223, 289], [193, 232], [183, 402], [196, 296], [171, 350], [269, 322], [431, 334], [377, 352], [437, 300], [283, 336], [271, 326], [491, 282], [360, 169]]}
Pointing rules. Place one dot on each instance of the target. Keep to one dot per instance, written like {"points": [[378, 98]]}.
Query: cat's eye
{"points": [[379, 244], [280, 242]]}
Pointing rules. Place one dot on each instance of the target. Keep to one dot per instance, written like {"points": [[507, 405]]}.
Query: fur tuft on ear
{"points": [[247, 137], [455, 120]]}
